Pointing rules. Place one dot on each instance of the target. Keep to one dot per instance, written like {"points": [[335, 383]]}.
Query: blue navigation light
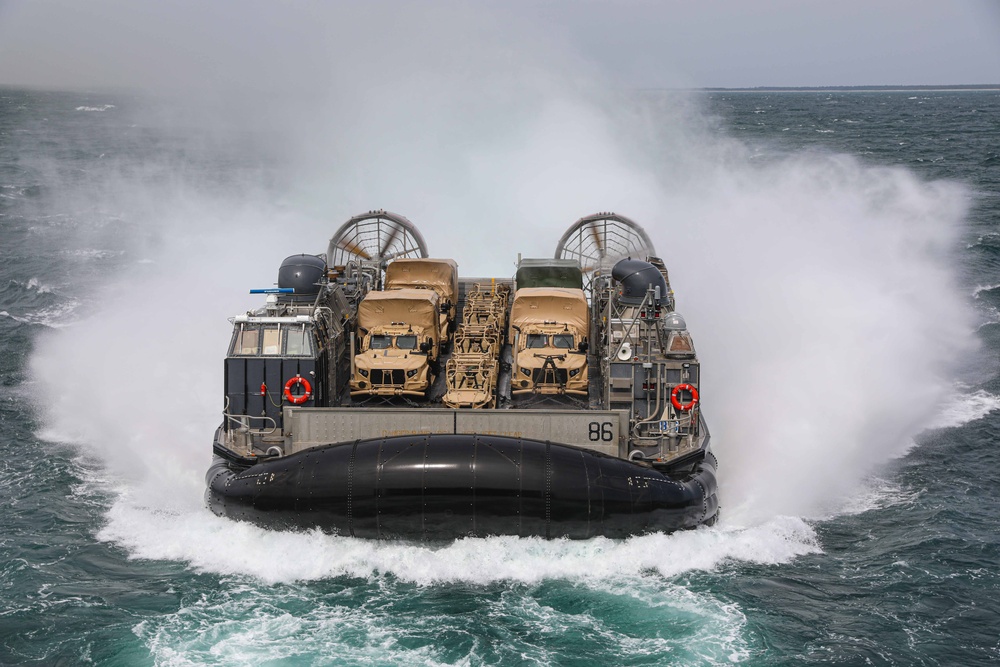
{"points": [[274, 290]]}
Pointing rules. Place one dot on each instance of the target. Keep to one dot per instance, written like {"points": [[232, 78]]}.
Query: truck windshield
{"points": [[380, 342], [563, 341], [537, 340], [406, 342]]}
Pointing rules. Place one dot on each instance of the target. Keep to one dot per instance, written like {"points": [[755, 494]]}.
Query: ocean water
{"points": [[836, 254]]}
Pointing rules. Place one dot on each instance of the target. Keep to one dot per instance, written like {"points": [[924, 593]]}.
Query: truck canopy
{"points": [[440, 275], [549, 273], [538, 305], [415, 307]]}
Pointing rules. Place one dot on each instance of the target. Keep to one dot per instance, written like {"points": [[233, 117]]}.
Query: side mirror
{"points": [[583, 346]]}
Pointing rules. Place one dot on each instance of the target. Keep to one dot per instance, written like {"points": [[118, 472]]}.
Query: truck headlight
{"points": [[573, 372], [526, 371], [363, 372], [410, 374]]}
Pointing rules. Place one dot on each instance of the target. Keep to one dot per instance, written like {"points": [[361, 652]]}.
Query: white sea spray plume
{"points": [[828, 318]]}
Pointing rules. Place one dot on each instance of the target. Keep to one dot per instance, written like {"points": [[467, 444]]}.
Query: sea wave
{"points": [[876, 493], [55, 317], [34, 285], [989, 241], [92, 253], [391, 622], [619, 596], [963, 408], [212, 544], [979, 289]]}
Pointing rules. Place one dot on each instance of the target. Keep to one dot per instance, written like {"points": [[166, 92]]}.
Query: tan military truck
{"points": [[399, 334], [440, 275], [548, 330]]}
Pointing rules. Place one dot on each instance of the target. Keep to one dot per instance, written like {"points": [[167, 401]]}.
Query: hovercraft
{"points": [[379, 394]]}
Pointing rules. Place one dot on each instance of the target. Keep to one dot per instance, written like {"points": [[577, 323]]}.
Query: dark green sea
{"points": [[836, 256]]}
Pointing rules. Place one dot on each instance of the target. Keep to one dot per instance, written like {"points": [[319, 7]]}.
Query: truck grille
{"points": [[393, 377], [557, 376]]}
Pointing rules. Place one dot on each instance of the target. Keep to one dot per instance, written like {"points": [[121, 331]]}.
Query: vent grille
{"points": [[392, 377], [554, 376]]}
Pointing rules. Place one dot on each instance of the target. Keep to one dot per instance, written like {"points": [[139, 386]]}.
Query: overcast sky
{"points": [[633, 43]]}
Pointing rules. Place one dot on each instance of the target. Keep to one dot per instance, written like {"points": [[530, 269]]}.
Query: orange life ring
{"points": [[684, 407], [297, 400]]}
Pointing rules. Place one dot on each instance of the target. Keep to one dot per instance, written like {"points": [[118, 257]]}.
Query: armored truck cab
{"points": [[440, 275], [548, 327], [399, 343]]}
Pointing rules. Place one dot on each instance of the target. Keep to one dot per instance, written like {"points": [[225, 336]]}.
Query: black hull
{"points": [[443, 487]]}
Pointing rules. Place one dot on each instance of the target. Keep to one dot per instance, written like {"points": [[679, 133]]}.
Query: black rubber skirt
{"points": [[443, 487]]}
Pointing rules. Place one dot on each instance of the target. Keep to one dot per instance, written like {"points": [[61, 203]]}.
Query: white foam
{"points": [[92, 253], [35, 285], [642, 620], [983, 288], [982, 239], [54, 317], [251, 630], [103, 107], [963, 408], [874, 494], [173, 525]]}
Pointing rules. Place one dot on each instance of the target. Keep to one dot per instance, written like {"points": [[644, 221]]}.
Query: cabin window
{"points": [[297, 342], [406, 342], [246, 343], [537, 340], [272, 341], [563, 341], [680, 343], [379, 342]]}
